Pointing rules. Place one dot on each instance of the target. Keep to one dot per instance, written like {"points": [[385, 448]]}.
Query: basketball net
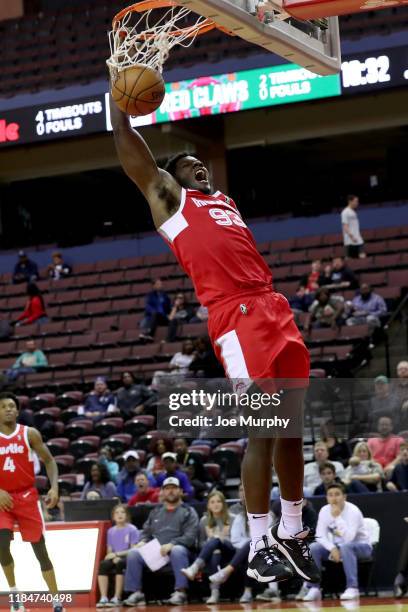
{"points": [[140, 36]]}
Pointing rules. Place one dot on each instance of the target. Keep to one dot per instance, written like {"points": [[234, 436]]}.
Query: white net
{"points": [[147, 38]]}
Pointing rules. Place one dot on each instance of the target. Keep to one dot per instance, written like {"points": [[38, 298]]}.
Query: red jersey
{"points": [[215, 247], [16, 461]]}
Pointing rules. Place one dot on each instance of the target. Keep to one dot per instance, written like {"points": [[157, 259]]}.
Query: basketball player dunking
{"points": [[19, 503], [251, 328]]}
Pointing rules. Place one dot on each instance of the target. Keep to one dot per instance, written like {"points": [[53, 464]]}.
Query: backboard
{"points": [[315, 45]]}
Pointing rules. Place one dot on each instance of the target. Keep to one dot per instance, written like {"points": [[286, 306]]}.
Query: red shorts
{"points": [[255, 337], [26, 513]]}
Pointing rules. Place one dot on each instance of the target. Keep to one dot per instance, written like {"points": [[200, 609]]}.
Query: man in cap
{"points": [[175, 526], [383, 403], [25, 270], [127, 486], [171, 469], [100, 401]]}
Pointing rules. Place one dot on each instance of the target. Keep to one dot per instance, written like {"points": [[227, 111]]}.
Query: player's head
{"points": [[352, 201], [189, 172], [9, 408]]}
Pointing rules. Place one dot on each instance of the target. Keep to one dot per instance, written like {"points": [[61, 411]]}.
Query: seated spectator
{"points": [[341, 537], [171, 470], [178, 367], [400, 384], [158, 446], [399, 476], [309, 514], [100, 402], [205, 364], [34, 311], [401, 579], [121, 538], [301, 302], [145, 493], [126, 480], [384, 403], [310, 281], [367, 307], [185, 459], [32, 360], [157, 308], [312, 475], [180, 313], [175, 526], [325, 276], [214, 541], [58, 268], [385, 448], [133, 398], [339, 450], [200, 315], [363, 468], [25, 270], [326, 311], [328, 477], [106, 458], [99, 480], [341, 276]]}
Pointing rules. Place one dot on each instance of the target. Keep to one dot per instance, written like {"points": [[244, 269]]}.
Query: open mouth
{"points": [[201, 175]]}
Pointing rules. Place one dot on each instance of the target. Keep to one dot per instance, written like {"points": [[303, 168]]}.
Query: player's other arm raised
{"points": [[158, 186], [38, 446]]}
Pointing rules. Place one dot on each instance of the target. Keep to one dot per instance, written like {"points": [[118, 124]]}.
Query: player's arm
{"points": [[38, 446], [159, 188], [346, 229]]}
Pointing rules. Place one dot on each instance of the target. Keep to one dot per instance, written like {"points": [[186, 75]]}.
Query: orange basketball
{"points": [[138, 90]]}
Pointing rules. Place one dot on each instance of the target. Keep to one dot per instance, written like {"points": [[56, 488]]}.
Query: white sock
{"points": [[291, 518], [13, 589], [258, 526]]}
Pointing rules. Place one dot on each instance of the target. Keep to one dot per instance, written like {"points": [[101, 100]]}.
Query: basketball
{"points": [[138, 90]]}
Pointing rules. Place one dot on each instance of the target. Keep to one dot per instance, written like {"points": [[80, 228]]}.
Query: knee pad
{"points": [[41, 553]]}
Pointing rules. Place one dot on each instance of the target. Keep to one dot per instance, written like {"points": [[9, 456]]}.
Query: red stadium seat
{"points": [[68, 414], [213, 470], [398, 278], [82, 340], [70, 398], [42, 484], [84, 445], [55, 343], [350, 332], [97, 308], [108, 426], [107, 265], [62, 359], [373, 278], [119, 443], [323, 335], [120, 354], [145, 352], [65, 463], [78, 428], [78, 326], [139, 425], [42, 400], [110, 338], [194, 330], [57, 446], [104, 323], [86, 357], [203, 449]]}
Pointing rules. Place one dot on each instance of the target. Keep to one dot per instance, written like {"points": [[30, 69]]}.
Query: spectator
{"points": [[100, 402], [341, 276], [178, 366], [145, 493], [158, 446], [363, 468], [309, 514], [185, 459], [175, 526], [171, 470], [400, 384], [205, 364], [385, 448], [121, 538], [180, 313], [99, 480], [328, 477], [215, 543], [58, 268], [352, 239], [239, 506], [301, 302], [326, 311], [399, 475], [106, 458], [34, 310], [367, 307], [384, 403], [32, 360], [132, 398], [325, 276], [339, 450], [401, 579], [25, 270], [310, 281], [312, 475], [157, 309], [342, 538], [200, 315], [126, 479]]}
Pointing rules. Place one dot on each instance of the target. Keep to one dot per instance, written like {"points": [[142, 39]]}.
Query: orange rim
{"points": [[194, 30]]}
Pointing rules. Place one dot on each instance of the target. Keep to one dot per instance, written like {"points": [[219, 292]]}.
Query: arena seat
{"points": [[119, 442], [79, 427], [65, 463], [109, 426], [139, 425], [57, 446], [84, 445]]}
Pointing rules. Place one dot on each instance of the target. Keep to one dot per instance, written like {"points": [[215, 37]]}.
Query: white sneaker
{"points": [[350, 594], [191, 571], [313, 594], [218, 578], [302, 593], [102, 602], [246, 597], [135, 599], [114, 603], [214, 597], [178, 598]]}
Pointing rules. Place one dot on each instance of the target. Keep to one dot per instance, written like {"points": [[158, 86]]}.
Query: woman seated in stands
{"points": [[34, 311], [122, 537], [178, 366], [99, 480], [158, 446], [364, 469], [339, 450]]}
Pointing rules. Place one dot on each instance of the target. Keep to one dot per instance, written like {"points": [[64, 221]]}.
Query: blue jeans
{"points": [[14, 373], [215, 552], [350, 553], [179, 558]]}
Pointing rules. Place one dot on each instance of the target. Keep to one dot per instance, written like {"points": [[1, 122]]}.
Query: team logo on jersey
{"points": [[243, 309], [200, 203], [12, 449]]}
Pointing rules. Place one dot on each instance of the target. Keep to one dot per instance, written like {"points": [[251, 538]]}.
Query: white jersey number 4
{"points": [[9, 465]]}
